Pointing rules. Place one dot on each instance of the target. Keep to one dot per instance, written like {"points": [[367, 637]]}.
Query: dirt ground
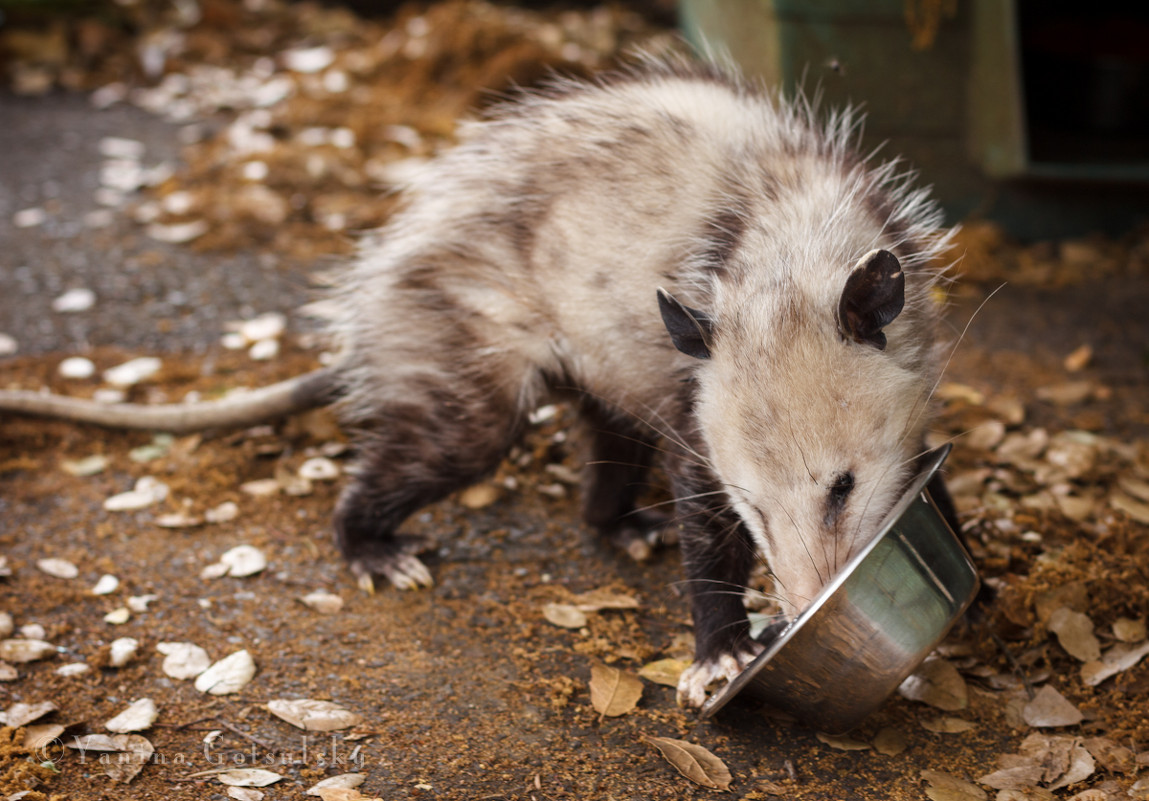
{"points": [[466, 690]]}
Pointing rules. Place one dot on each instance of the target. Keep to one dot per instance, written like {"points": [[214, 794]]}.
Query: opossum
{"points": [[712, 273]]}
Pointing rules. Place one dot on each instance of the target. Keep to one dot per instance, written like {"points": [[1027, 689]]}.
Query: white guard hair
{"points": [[529, 255]]}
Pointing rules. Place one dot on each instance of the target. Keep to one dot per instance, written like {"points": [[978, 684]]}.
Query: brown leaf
{"points": [[1113, 757], [947, 724], [1121, 656], [890, 741], [600, 599], [842, 742], [566, 616], [1017, 777], [1074, 632], [613, 692], [694, 762], [944, 787], [664, 671], [937, 683], [1050, 708], [1081, 767]]}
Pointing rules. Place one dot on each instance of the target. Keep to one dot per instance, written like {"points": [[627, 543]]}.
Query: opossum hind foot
{"points": [[697, 679], [640, 534], [393, 559]]}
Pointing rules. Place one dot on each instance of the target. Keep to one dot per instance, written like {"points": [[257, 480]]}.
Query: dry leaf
{"points": [[1078, 359], [890, 741], [1113, 757], [311, 715], [948, 725], [325, 603], [1049, 708], [248, 777], [345, 781], [183, 660], [943, 787], [122, 651], [1120, 657], [613, 692], [25, 650], [694, 762], [842, 742], [344, 794], [59, 568], [1074, 632], [244, 794], [1131, 507], [1081, 767], [479, 496], [664, 671], [228, 675], [937, 683], [21, 713], [1129, 630], [564, 615], [1019, 773], [41, 735], [138, 716], [600, 600], [126, 754]]}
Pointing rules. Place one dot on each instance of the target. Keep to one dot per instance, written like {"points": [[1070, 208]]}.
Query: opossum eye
{"points": [[839, 492]]}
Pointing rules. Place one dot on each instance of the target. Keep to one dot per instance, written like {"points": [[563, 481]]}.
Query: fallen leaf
{"points": [[1130, 507], [312, 715], [1078, 359], [613, 692], [842, 742], [325, 603], [479, 496], [126, 754], [25, 650], [138, 716], [944, 787], [1120, 657], [59, 568], [1081, 767], [346, 781], [564, 615], [1113, 757], [948, 725], [1049, 708], [937, 683], [1129, 630], [41, 735], [122, 651], [664, 671], [600, 600], [694, 762], [1074, 632], [890, 741], [21, 713], [228, 675], [248, 777], [244, 794], [1021, 774], [183, 660]]}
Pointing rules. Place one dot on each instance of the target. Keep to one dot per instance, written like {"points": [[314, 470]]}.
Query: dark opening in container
{"points": [[1085, 73]]}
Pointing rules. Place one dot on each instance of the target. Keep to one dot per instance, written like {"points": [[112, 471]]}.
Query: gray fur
{"points": [[525, 261]]}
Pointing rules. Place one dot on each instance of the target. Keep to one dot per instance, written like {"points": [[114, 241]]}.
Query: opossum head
{"points": [[811, 410]]}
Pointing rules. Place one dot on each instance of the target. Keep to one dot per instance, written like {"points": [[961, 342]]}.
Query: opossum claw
{"points": [[396, 561], [697, 678]]}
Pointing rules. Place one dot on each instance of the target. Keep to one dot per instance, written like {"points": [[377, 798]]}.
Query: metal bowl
{"points": [[872, 625]]}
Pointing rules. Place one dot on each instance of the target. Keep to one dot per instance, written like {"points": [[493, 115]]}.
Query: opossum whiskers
{"points": [[920, 407]]}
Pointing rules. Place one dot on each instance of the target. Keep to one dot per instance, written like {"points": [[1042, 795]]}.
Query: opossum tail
{"points": [[308, 391]]}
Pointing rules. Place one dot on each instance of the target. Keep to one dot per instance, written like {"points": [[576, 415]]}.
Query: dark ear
{"points": [[874, 295], [690, 330]]}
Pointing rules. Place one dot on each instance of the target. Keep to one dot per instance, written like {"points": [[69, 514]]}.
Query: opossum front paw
{"points": [[697, 679], [642, 534], [396, 562]]}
